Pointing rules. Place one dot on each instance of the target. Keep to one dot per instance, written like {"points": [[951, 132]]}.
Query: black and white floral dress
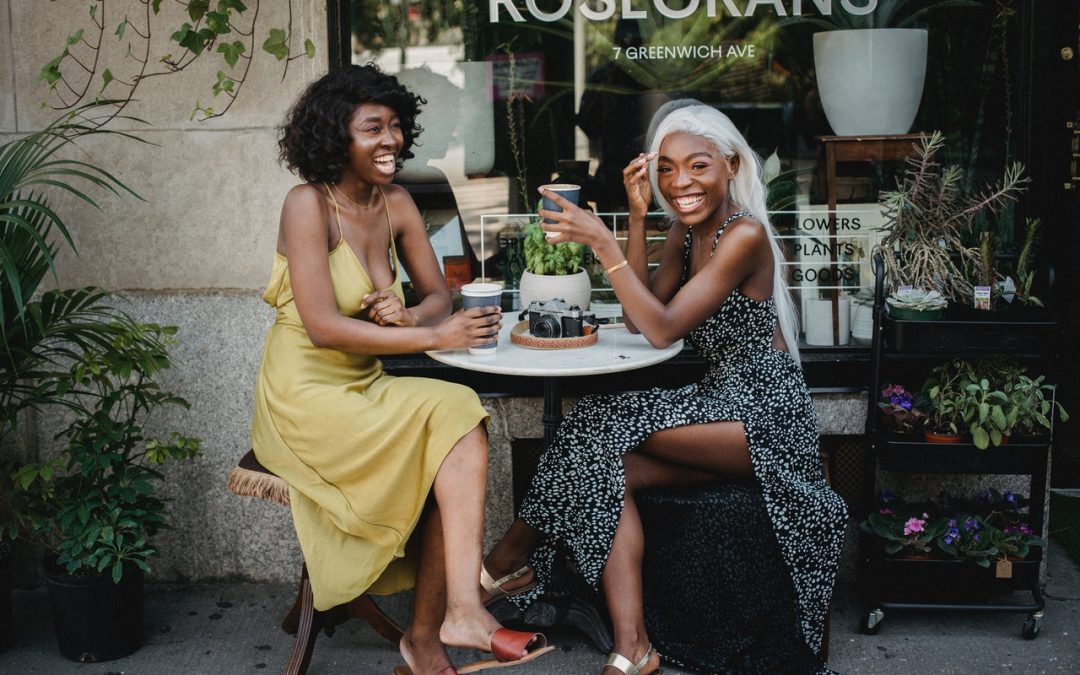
{"points": [[576, 497]]}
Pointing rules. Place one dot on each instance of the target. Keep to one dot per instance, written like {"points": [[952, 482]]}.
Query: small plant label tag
{"points": [[982, 297], [903, 287], [1003, 569]]}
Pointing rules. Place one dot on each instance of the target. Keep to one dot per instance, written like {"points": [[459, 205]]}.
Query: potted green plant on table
{"points": [[945, 402], [928, 217], [553, 270]]}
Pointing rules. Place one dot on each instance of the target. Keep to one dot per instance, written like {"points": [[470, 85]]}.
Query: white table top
{"points": [[615, 351]]}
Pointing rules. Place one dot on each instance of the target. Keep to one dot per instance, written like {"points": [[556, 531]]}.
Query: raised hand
{"points": [[636, 182]]}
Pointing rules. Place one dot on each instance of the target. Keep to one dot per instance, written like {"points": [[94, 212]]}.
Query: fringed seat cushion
{"points": [[251, 479]]}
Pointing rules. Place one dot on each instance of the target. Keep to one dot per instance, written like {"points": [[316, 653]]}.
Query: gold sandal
{"points": [[494, 586], [629, 667]]}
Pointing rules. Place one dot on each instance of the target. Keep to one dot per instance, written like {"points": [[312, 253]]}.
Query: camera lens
{"points": [[547, 326]]}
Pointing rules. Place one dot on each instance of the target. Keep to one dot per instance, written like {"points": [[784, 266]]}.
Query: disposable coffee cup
{"points": [[481, 295], [567, 191]]}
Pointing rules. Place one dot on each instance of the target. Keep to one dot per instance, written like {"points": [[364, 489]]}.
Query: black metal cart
{"points": [[891, 583]]}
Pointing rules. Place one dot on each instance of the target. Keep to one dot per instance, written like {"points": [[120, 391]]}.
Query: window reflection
{"points": [[515, 104]]}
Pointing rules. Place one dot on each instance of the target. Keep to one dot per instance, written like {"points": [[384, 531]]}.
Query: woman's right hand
{"points": [[469, 328], [636, 182]]}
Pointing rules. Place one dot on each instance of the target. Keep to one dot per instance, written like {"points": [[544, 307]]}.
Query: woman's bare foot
{"points": [[636, 654], [470, 627], [423, 654]]}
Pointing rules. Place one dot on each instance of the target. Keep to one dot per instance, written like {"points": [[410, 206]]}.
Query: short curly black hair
{"points": [[314, 141]]}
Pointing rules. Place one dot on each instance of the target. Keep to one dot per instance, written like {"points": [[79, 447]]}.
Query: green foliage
{"points": [[69, 349], [991, 400], [225, 28], [929, 214], [95, 506], [543, 257]]}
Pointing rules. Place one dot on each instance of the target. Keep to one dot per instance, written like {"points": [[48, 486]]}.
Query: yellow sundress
{"points": [[358, 448]]}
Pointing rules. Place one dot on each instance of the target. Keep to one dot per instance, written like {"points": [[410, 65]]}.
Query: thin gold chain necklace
{"points": [[346, 198]]}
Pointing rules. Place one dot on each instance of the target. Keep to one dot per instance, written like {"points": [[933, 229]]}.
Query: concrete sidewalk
{"points": [[233, 628]]}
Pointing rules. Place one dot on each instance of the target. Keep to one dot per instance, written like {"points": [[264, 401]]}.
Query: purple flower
{"points": [[886, 512], [887, 496], [1025, 529], [1010, 498], [952, 523]]}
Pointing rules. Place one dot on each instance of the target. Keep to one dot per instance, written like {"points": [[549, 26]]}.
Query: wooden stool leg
{"points": [[365, 608], [306, 631]]}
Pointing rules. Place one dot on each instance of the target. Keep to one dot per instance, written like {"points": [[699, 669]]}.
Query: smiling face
{"points": [[693, 176], [375, 141]]}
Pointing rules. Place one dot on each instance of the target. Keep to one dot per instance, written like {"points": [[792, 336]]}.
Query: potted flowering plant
{"points": [[904, 532], [553, 270], [898, 405]]}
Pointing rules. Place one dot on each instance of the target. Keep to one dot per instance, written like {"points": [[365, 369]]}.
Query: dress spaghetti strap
{"points": [[390, 224], [337, 211]]}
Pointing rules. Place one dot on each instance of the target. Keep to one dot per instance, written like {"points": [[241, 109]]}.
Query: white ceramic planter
{"points": [[870, 80], [818, 323], [575, 289]]}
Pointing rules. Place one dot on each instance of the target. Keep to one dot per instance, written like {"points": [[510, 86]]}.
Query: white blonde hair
{"points": [[747, 190]]}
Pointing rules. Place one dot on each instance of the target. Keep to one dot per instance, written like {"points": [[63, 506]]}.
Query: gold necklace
{"points": [[345, 197]]}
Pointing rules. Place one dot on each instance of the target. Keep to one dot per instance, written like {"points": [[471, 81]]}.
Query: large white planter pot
{"points": [[817, 319], [575, 289], [870, 80]]}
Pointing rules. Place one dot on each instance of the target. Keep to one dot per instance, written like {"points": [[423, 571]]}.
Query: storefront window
{"points": [[524, 92]]}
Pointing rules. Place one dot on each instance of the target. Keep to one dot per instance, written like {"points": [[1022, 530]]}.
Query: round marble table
{"points": [[615, 351]]}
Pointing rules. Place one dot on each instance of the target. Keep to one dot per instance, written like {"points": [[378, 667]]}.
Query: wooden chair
{"points": [[251, 479]]}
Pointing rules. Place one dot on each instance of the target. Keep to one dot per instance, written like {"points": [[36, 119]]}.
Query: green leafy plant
{"points": [[41, 331], [928, 216], [543, 257], [1031, 402], [87, 68], [945, 397], [94, 506]]}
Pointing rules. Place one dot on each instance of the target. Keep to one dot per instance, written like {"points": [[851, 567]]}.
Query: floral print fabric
{"points": [[577, 494]]}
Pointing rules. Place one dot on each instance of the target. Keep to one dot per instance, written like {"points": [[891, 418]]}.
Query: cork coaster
{"points": [[521, 336]]}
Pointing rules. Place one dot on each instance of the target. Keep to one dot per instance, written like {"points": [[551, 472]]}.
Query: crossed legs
{"points": [[687, 456], [446, 608]]}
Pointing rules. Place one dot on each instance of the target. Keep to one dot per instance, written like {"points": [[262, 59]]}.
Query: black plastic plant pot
{"points": [[95, 619]]}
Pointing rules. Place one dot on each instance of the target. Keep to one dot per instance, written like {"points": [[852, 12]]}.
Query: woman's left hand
{"points": [[573, 223], [386, 309]]}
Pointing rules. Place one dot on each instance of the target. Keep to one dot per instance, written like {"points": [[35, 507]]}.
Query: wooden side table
{"points": [[835, 150]]}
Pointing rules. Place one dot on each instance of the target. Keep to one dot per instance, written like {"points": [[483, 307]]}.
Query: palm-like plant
{"points": [[39, 334]]}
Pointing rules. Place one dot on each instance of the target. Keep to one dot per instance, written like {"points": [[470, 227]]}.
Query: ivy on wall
{"points": [[112, 52]]}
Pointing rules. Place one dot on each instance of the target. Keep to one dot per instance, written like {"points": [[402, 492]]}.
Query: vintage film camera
{"points": [[555, 318]]}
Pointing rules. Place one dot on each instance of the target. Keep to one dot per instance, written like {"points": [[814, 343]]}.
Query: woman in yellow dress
{"points": [[364, 452]]}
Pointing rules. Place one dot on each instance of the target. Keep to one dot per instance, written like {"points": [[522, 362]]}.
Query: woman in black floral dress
{"points": [[719, 283]]}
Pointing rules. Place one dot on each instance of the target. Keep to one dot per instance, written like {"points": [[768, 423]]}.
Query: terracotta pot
{"points": [[933, 437]]}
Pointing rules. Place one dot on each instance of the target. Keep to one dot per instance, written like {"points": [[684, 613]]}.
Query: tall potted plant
{"points": [[46, 336], [871, 64], [94, 506]]}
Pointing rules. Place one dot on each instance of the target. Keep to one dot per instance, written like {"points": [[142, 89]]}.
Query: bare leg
{"points": [[447, 608], [460, 489], [420, 645], [720, 449]]}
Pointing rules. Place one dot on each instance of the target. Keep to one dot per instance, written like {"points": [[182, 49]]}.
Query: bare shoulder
{"points": [[746, 234], [403, 209], [306, 197]]}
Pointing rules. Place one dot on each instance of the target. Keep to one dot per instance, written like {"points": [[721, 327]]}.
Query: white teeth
{"points": [[687, 202], [385, 159]]}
